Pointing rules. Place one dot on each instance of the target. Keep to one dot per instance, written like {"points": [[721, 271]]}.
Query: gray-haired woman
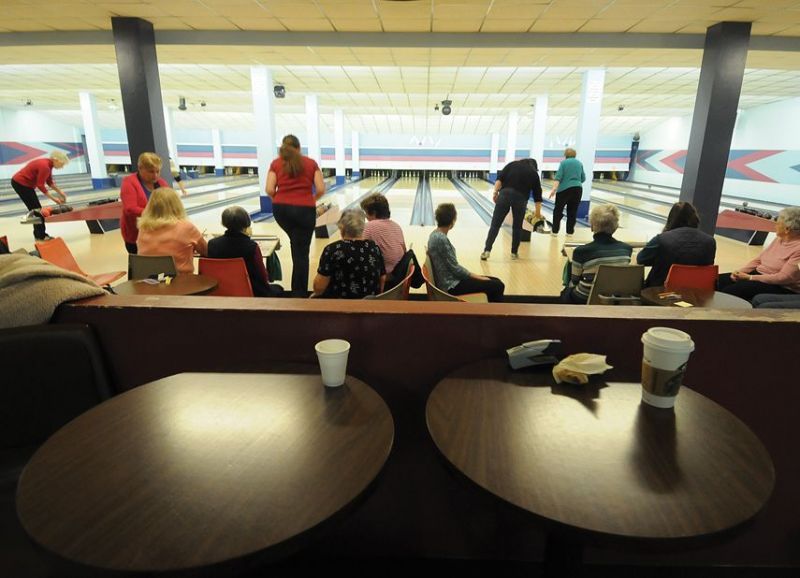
{"points": [[775, 269], [353, 267], [604, 250]]}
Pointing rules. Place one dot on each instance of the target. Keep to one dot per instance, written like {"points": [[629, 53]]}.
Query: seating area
{"points": [[56, 252]]}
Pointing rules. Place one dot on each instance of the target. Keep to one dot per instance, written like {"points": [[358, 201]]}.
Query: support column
{"points": [[264, 111], [355, 167], [312, 127], [137, 64], [168, 127], [718, 91], [539, 129], [338, 130], [511, 138], [94, 143], [219, 163], [588, 129], [495, 152]]}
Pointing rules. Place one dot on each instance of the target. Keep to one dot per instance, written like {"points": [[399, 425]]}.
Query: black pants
{"points": [[570, 198], [494, 288], [131, 248], [28, 196], [748, 289], [298, 223], [507, 199]]}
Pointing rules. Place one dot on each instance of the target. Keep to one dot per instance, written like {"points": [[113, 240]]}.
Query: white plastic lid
{"points": [[668, 339]]}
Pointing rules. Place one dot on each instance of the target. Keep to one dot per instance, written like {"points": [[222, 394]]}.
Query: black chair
{"points": [[51, 374]]}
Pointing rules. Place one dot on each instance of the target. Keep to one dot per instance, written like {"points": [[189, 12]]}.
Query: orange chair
{"points": [[56, 252], [692, 277], [436, 294], [407, 281], [231, 275]]}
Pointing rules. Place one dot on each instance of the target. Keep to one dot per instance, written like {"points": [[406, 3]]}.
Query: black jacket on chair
{"points": [[682, 246], [232, 245]]}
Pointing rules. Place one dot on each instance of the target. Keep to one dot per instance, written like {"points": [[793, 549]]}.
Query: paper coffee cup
{"points": [[332, 355], [666, 353]]}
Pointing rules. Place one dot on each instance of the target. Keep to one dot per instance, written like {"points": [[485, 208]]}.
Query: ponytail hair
{"points": [[291, 156]]}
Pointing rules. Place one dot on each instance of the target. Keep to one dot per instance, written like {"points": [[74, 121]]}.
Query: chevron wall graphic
{"points": [[765, 166], [19, 153]]}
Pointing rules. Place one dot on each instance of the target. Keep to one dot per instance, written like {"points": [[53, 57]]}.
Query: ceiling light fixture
{"points": [[181, 103]]}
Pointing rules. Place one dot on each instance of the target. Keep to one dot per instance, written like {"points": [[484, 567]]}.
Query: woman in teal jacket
{"points": [[567, 191]]}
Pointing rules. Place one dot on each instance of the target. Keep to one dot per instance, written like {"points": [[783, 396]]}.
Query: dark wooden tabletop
{"points": [[593, 458], [203, 468], [697, 297], [180, 285]]}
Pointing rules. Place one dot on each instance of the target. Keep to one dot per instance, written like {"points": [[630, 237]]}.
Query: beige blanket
{"points": [[31, 289]]}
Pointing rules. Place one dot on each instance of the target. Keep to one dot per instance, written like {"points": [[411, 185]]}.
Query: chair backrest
{"points": [[692, 277], [231, 274], [617, 285], [144, 266], [38, 398], [434, 293], [400, 291], [406, 283], [56, 252]]}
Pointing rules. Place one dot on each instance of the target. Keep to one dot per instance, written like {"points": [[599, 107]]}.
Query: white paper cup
{"points": [[666, 353], [332, 355]]}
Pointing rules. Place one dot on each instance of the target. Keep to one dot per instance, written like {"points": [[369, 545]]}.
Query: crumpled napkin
{"points": [[578, 367]]}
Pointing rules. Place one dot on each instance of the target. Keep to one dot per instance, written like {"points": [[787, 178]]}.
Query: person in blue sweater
{"points": [[567, 191]]}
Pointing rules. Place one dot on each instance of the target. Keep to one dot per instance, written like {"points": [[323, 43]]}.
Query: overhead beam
{"points": [[395, 39]]}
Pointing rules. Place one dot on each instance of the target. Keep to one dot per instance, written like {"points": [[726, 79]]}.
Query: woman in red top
{"points": [[34, 176], [290, 180], [135, 191]]}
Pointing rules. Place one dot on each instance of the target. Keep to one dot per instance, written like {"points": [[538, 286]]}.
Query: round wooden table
{"points": [[203, 468], [697, 297], [597, 460], [180, 285]]}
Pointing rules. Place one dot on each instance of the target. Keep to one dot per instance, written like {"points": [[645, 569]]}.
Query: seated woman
{"points": [[604, 250], [388, 235], [681, 242], [775, 269], [236, 242], [449, 275], [165, 230], [353, 267]]}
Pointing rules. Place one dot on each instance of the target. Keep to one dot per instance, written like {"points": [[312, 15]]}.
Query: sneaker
{"points": [[570, 235], [514, 256], [485, 255], [45, 238]]}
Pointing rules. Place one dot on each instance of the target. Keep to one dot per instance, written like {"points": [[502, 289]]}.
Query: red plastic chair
{"points": [[231, 274], [56, 252], [702, 277]]}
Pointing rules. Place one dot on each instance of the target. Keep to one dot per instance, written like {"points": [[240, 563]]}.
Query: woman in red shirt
{"points": [[135, 191], [34, 176], [290, 180]]}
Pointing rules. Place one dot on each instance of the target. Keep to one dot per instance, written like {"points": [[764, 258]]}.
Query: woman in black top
{"points": [[236, 242], [681, 242], [513, 187], [353, 267]]}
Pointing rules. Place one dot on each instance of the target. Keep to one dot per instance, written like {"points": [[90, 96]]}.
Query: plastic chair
{"points": [[56, 252], [231, 275], [703, 277], [146, 266], [617, 285], [436, 294], [400, 291]]}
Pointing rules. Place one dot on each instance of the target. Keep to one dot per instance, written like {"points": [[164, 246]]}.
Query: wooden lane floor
{"points": [[401, 200]]}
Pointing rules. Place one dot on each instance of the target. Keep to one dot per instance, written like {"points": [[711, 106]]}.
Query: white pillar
{"points": [[94, 143], [219, 162], [264, 111], [354, 156], [169, 121], [511, 139], [589, 127], [494, 154], [539, 129], [338, 134], [312, 127]]}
